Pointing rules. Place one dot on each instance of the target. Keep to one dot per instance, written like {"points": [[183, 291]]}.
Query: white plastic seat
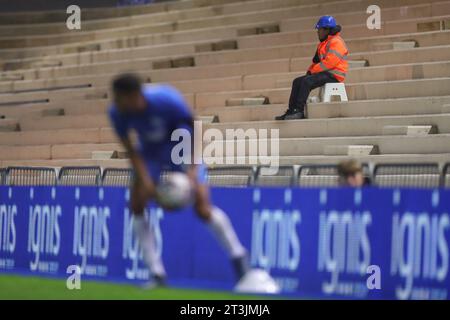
{"points": [[333, 89]]}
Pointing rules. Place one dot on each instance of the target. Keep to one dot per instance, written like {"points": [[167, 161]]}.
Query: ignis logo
{"points": [[91, 235], [419, 249], [7, 228], [275, 242], [44, 236], [344, 245], [132, 250]]}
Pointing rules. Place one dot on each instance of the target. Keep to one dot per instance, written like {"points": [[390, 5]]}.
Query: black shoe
{"points": [[241, 265], [296, 115], [155, 282], [283, 116]]}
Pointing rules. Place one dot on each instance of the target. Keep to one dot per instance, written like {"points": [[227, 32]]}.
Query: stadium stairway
{"points": [[234, 61]]}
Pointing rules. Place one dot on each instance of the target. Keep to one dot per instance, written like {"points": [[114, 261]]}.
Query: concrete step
{"points": [[231, 68], [361, 108], [46, 137], [258, 54], [70, 107], [364, 74], [247, 101], [360, 91], [143, 15], [82, 151], [49, 16], [271, 81], [303, 128], [250, 82], [191, 19], [393, 145], [434, 144], [351, 150], [65, 122], [109, 154], [140, 15], [210, 97], [225, 32], [304, 49], [340, 127], [272, 14], [8, 125], [208, 119], [54, 95], [357, 29], [378, 107], [431, 144], [287, 160], [415, 130], [25, 152]]}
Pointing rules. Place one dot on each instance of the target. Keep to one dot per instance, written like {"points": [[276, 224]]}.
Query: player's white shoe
{"points": [[257, 281]]}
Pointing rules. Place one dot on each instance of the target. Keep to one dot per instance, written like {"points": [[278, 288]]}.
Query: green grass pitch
{"points": [[18, 287]]}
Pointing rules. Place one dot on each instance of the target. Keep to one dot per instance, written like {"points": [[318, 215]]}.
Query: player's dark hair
{"points": [[126, 83]]}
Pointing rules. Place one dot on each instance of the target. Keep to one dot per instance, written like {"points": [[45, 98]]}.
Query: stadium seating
{"points": [[234, 61]]}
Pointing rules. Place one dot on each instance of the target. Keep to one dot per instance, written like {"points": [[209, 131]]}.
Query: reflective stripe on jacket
{"points": [[332, 53]]}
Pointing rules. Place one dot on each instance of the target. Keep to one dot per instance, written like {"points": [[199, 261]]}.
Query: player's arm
{"points": [[192, 169], [121, 126], [138, 163], [184, 119]]}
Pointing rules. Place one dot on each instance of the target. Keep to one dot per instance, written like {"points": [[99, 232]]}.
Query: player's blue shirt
{"points": [[166, 111]]}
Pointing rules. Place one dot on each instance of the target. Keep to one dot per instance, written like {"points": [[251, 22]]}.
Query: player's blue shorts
{"points": [[154, 168]]}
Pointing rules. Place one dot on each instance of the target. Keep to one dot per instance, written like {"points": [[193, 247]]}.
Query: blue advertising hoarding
{"points": [[325, 243]]}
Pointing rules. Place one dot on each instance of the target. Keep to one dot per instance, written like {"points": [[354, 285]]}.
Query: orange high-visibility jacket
{"points": [[332, 53]]}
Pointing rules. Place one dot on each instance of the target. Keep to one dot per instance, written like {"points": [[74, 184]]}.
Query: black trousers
{"points": [[302, 86]]}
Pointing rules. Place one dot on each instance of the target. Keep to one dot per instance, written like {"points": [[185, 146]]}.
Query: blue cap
{"points": [[326, 22]]}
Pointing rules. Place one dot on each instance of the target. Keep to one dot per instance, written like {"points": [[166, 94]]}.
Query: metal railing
{"points": [[80, 176], [424, 175], [30, 176], [285, 176], [2, 176], [428, 175], [233, 176], [117, 177]]}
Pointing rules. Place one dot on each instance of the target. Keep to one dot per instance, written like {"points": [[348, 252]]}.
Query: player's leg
{"points": [[220, 225], [146, 237]]}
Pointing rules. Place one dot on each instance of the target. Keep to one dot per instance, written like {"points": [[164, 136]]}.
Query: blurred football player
{"points": [[154, 112]]}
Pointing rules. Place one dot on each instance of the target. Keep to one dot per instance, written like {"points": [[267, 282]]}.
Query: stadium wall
{"points": [[324, 243]]}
